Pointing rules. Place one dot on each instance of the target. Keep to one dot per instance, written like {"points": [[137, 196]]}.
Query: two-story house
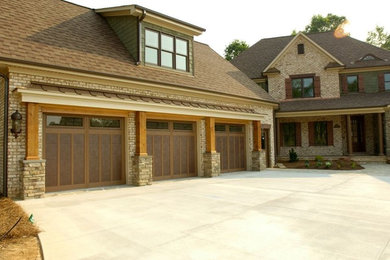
{"points": [[121, 95], [334, 93]]}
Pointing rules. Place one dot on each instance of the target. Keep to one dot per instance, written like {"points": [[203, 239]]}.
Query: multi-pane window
{"points": [[263, 85], [165, 50], [321, 133], [289, 134], [352, 82], [302, 87], [387, 81]]}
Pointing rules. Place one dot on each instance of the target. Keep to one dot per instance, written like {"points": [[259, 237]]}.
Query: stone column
{"points": [[387, 134], [33, 178], [259, 161], [142, 170], [212, 161]]}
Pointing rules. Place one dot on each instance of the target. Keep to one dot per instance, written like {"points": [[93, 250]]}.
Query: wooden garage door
{"points": [[83, 152], [173, 147], [230, 143]]}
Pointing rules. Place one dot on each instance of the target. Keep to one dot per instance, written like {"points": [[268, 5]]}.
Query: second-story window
{"points": [[352, 82], [166, 50], [302, 87], [387, 81]]}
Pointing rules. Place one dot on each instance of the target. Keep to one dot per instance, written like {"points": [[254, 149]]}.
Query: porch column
{"points": [[33, 177], [32, 131], [349, 135], [380, 134], [142, 163], [211, 159], [258, 156]]}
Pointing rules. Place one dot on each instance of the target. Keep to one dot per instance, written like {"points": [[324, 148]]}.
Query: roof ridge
{"points": [[66, 1]]}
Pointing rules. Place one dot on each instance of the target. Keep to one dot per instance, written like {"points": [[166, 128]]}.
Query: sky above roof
{"points": [[251, 20]]}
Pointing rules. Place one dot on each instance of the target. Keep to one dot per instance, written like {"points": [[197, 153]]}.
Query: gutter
{"points": [[139, 20], [5, 137]]}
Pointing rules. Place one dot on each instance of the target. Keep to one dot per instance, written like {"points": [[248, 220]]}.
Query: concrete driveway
{"points": [[273, 214]]}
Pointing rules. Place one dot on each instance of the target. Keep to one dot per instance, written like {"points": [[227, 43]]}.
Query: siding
{"points": [[126, 29]]}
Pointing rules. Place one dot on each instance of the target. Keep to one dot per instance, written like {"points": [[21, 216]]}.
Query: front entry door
{"points": [[358, 140]]}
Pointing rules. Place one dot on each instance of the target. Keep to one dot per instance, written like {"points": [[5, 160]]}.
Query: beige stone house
{"points": [[334, 94], [121, 95]]}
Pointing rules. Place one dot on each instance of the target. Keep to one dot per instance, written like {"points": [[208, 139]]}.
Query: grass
{"points": [[21, 242]]}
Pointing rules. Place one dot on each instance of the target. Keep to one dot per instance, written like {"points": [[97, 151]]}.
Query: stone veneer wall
{"points": [[309, 151], [212, 164], [312, 61], [387, 134], [33, 179], [2, 130], [17, 146]]}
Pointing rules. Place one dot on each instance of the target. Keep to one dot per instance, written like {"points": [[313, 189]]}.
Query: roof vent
{"points": [[369, 57]]}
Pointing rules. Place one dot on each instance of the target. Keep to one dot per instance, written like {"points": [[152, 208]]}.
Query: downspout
{"points": [[5, 137], [139, 32]]}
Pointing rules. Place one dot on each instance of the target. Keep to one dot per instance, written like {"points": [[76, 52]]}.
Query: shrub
{"points": [[318, 158], [307, 164], [339, 166], [293, 155], [318, 164], [328, 164], [353, 165]]}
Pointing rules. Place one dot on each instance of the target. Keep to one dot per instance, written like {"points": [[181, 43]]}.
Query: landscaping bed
{"points": [[341, 164], [22, 241]]}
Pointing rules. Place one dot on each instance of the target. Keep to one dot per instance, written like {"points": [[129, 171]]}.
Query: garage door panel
{"points": [[93, 157], [176, 155], [117, 155], [166, 155], [191, 155], [157, 150], [65, 159], [184, 155], [78, 159], [51, 155], [105, 157], [230, 143]]}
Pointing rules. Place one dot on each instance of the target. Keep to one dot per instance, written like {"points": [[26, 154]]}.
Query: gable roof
{"points": [[347, 50], [78, 39], [309, 40]]}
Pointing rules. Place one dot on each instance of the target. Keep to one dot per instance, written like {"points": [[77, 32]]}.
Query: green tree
{"points": [[320, 23], [235, 48], [379, 38]]}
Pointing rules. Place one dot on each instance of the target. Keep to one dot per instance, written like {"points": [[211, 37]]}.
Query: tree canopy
{"points": [[379, 38], [234, 49], [321, 23]]}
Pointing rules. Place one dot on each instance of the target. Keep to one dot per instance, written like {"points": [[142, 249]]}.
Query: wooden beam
{"points": [[210, 135], [256, 136], [140, 132], [349, 135], [32, 144], [380, 133]]}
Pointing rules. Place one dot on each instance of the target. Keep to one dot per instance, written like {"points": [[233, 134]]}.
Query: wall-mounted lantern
{"points": [[16, 118]]}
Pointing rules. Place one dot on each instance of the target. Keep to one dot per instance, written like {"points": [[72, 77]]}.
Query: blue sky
{"points": [[253, 20]]}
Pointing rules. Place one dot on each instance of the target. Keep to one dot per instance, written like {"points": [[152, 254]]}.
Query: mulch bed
{"points": [[341, 164], [22, 241]]}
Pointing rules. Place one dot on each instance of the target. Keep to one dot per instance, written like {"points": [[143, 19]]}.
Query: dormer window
{"points": [[166, 50], [301, 48], [368, 57]]}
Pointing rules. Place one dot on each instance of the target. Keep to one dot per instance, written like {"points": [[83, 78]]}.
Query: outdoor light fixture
{"points": [[16, 118]]}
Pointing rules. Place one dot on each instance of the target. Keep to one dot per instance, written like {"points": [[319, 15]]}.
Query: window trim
{"points": [[384, 81], [174, 53], [302, 77], [357, 83]]}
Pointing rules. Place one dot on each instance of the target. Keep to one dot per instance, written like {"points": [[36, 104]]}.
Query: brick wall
{"points": [[313, 61], [17, 146], [309, 151], [2, 148]]}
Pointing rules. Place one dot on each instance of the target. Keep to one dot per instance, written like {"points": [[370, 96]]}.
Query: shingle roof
{"points": [[350, 101], [68, 36], [348, 50]]}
